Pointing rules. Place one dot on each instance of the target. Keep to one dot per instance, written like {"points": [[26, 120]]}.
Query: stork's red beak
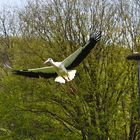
{"points": [[46, 61]]}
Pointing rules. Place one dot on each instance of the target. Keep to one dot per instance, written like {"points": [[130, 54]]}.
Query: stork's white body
{"points": [[64, 75]]}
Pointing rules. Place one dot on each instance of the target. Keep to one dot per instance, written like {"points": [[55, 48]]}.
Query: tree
{"points": [[101, 102]]}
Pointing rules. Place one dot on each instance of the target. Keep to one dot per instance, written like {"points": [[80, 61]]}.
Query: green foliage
{"points": [[101, 103], [96, 104]]}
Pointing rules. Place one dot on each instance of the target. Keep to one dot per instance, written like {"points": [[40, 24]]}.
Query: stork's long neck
{"points": [[53, 63]]}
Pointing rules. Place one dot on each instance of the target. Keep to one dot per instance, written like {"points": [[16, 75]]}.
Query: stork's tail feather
{"points": [[71, 75], [60, 79], [66, 78]]}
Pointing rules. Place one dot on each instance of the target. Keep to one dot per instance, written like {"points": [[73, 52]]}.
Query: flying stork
{"points": [[62, 71]]}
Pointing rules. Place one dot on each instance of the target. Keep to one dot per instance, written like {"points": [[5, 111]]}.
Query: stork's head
{"points": [[49, 60]]}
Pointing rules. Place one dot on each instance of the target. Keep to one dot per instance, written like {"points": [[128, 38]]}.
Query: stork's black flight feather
{"points": [[33, 74], [83, 51]]}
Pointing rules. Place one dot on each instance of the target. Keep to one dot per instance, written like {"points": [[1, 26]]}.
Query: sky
{"points": [[12, 3]]}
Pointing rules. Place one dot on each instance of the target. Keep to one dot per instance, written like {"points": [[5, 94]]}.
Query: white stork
{"points": [[62, 71]]}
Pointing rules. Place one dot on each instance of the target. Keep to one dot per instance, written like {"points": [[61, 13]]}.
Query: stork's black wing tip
{"points": [[26, 73], [32, 74], [95, 36], [18, 72]]}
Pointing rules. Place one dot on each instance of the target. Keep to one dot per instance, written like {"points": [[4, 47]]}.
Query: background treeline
{"points": [[101, 103]]}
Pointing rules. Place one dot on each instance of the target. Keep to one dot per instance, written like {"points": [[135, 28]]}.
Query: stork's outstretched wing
{"points": [[70, 62], [78, 56], [44, 72]]}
